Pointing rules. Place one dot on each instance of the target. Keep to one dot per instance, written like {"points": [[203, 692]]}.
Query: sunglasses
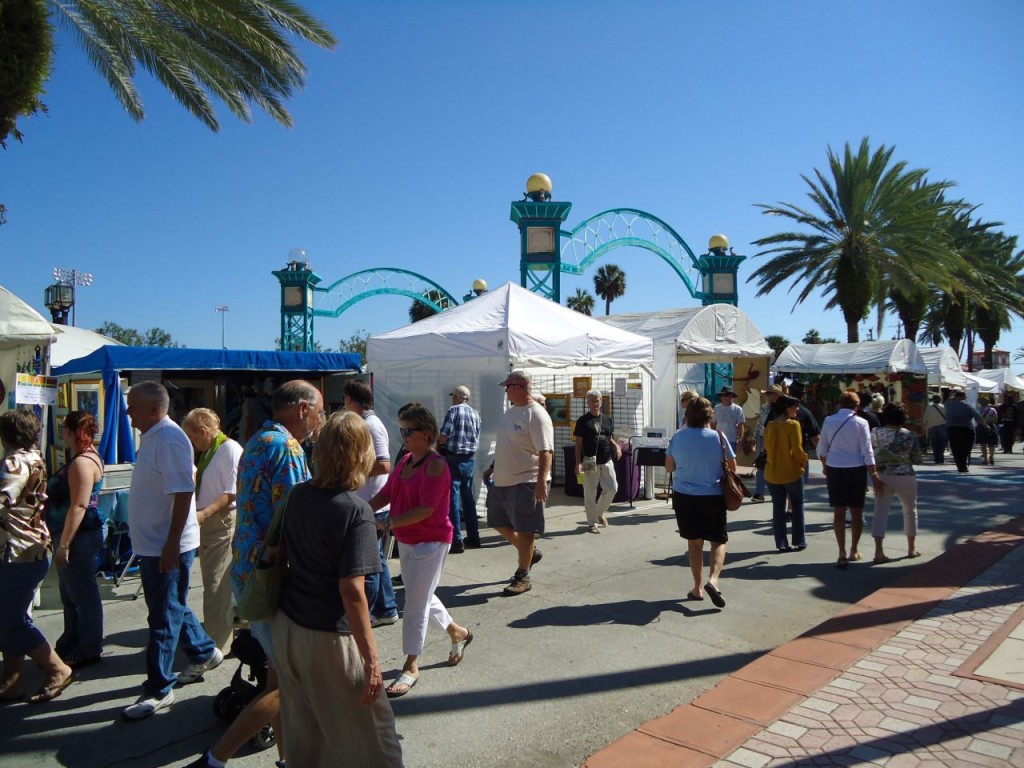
{"points": [[406, 431]]}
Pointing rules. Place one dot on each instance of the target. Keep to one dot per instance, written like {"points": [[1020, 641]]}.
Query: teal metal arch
{"points": [[619, 227], [342, 294]]}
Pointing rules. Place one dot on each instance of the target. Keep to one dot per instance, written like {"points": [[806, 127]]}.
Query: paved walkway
{"points": [[928, 671]]}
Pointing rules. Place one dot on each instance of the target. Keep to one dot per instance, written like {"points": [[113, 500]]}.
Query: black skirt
{"points": [[847, 486]]}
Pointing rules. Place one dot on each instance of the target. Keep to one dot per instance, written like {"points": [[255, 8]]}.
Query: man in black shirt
{"points": [[595, 450]]}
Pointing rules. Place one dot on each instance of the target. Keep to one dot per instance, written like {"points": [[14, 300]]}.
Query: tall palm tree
{"points": [[876, 223], [609, 284], [240, 51], [418, 310], [582, 301]]}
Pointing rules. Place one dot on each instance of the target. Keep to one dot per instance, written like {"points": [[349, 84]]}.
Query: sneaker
{"points": [[471, 542], [457, 548], [757, 497], [194, 672], [202, 762], [537, 556], [146, 706], [383, 621], [520, 583]]}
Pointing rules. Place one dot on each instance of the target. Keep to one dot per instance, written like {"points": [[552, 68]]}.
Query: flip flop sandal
{"points": [[842, 562], [715, 594], [857, 556], [691, 596], [915, 553], [403, 679], [882, 560], [459, 650], [50, 692]]}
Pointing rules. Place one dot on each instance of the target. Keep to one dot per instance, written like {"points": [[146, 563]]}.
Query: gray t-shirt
{"points": [[328, 535]]}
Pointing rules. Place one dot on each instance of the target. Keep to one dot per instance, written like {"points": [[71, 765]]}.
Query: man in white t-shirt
{"points": [[729, 418], [165, 537], [380, 592], [522, 468]]}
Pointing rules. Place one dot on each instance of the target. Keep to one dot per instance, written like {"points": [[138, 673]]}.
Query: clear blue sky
{"points": [[412, 138]]}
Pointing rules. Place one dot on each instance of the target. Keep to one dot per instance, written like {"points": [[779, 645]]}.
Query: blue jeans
{"points": [[18, 582], [170, 619], [80, 596], [380, 592], [463, 504], [795, 492]]}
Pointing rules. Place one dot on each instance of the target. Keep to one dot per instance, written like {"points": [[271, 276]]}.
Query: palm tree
{"points": [[581, 301], [240, 51], [419, 310], [609, 284], [876, 224], [777, 343]]}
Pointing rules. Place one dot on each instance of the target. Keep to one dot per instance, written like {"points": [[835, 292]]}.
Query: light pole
{"points": [[223, 309], [71, 277]]}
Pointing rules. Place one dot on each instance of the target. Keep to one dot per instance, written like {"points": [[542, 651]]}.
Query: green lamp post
{"points": [[297, 282], [540, 224], [718, 269]]}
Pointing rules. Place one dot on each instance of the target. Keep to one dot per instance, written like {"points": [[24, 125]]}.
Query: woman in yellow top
{"points": [[784, 472]]}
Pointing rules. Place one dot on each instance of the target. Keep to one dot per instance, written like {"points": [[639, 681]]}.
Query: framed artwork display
{"points": [[606, 405], [581, 385], [187, 394], [558, 409], [87, 395]]}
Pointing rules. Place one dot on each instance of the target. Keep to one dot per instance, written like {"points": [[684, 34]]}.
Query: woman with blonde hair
{"points": [[216, 488], [326, 656], [418, 490], [72, 513]]}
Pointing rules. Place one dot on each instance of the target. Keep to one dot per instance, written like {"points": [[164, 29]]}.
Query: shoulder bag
{"points": [[261, 594], [733, 489]]}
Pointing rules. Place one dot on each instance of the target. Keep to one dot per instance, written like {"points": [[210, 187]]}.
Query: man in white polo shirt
{"points": [[165, 537]]}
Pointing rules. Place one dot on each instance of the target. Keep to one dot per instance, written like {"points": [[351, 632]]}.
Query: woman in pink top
{"points": [[418, 491]]}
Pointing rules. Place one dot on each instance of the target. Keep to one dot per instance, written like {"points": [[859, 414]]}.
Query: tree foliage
{"points": [[26, 51], [873, 224], [153, 337], [609, 284], [777, 343], [582, 301], [356, 343], [814, 337], [419, 310]]}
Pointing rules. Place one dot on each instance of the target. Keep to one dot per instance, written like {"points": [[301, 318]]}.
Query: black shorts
{"points": [[700, 517], [847, 486]]}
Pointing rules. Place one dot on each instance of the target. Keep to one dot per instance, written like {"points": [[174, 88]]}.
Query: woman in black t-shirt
{"points": [[331, 682]]}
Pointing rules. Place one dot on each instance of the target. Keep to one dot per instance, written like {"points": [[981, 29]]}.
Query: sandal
{"points": [[915, 553], [691, 596], [715, 594], [52, 691], [459, 650], [404, 679], [881, 560], [856, 556], [842, 562]]}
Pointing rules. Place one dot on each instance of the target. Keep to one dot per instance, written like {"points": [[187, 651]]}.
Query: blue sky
{"points": [[412, 138]]}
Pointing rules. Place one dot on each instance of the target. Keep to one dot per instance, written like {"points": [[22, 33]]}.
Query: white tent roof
{"points": [[716, 333], [899, 356], [979, 385], [513, 323], [20, 324], [74, 343], [1003, 377], [943, 366]]}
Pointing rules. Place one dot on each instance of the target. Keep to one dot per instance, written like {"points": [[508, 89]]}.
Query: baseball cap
{"points": [[517, 377], [461, 391]]}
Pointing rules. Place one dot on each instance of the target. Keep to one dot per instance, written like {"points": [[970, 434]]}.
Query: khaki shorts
{"points": [[515, 507]]}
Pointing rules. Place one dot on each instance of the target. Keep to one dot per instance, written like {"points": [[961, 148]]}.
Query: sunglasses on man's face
{"points": [[406, 431]]}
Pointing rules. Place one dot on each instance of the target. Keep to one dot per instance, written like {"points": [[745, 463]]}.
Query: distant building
{"points": [[1000, 359]]}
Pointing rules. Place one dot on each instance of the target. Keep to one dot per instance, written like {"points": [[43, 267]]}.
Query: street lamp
{"points": [[59, 298], [71, 277], [223, 309]]}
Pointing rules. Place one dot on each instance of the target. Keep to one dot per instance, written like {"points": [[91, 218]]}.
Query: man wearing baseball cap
{"points": [[522, 467], [460, 437], [729, 419]]}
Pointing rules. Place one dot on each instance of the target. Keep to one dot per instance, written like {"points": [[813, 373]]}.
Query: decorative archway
{"points": [[342, 294]]}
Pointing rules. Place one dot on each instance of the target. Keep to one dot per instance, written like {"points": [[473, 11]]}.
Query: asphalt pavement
{"points": [[603, 643]]}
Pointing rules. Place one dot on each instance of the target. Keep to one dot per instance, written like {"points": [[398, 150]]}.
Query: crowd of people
{"points": [[196, 492]]}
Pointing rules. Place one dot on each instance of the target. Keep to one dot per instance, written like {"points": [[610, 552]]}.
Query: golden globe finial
{"points": [[538, 187], [479, 286], [718, 243]]}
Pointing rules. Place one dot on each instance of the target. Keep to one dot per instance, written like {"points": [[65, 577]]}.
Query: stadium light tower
{"points": [[71, 277]]}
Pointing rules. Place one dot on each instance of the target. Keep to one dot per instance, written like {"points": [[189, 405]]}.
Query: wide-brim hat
{"points": [[726, 391]]}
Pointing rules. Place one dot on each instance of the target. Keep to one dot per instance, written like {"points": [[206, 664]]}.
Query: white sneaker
{"points": [[146, 706], [194, 672]]}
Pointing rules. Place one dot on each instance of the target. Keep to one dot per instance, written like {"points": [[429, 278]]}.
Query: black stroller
{"points": [[245, 686]]}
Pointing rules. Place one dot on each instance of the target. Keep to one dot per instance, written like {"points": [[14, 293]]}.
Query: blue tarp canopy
{"points": [[116, 445]]}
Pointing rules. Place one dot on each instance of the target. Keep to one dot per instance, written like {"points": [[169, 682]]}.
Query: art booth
{"points": [[478, 343], [894, 369], [25, 338], [944, 367]]}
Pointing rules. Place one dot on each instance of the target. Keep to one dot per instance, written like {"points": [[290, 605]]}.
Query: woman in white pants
{"points": [[418, 490], [896, 451]]}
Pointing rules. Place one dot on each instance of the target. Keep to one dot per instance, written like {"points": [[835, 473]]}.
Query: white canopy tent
{"points": [[479, 342], [22, 329], [978, 386], [944, 367], [74, 343], [719, 333], [900, 356], [1003, 378]]}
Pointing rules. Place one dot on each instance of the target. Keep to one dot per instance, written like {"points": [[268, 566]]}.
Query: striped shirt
{"points": [[462, 426]]}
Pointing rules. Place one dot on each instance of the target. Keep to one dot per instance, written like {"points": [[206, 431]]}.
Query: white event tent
{"points": [[1003, 378], [478, 343], [877, 357], [22, 329], [944, 367], [74, 343], [718, 333]]}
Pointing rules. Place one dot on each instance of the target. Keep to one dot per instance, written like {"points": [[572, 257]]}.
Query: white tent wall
{"points": [[22, 329], [944, 368], [1003, 378]]}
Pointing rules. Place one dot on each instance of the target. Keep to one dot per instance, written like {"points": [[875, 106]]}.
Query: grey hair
{"points": [[595, 393], [153, 392], [292, 393]]}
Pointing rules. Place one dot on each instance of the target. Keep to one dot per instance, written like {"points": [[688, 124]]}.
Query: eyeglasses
{"points": [[513, 384], [406, 431]]}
